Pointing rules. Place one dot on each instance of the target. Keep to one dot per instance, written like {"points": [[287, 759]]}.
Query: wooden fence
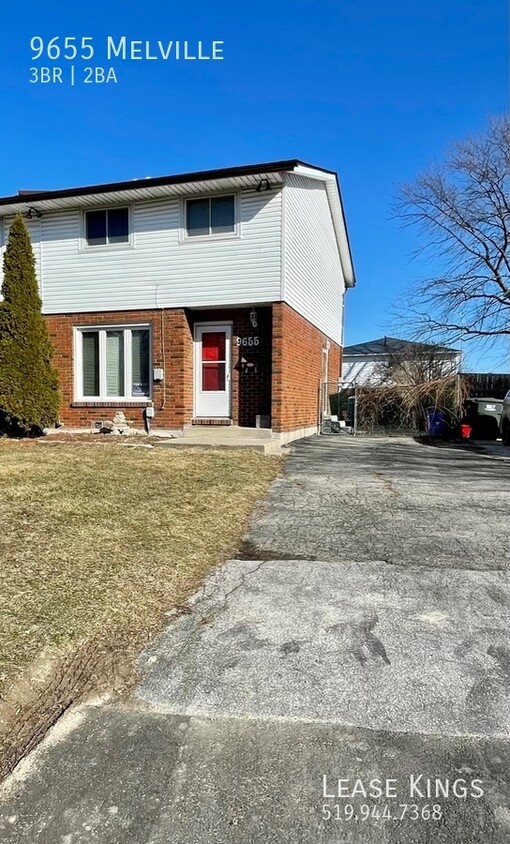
{"points": [[494, 385]]}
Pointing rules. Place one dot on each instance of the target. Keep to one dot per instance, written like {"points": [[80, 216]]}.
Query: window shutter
{"points": [[197, 216], [90, 358], [114, 363], [140, 363], [222, 215]]}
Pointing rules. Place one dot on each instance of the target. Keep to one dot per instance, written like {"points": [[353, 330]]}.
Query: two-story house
{"points": [[212, 298]]}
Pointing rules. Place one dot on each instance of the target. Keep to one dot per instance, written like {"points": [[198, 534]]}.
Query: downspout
{"points": [[149, 410], [325, 350], [323, 399], [41, 289]]}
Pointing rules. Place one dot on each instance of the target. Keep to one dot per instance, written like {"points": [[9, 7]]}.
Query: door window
{"points": [[213, 361]]}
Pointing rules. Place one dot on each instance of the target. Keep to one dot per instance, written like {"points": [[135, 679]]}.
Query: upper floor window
{"points": [[214, 215], [107, 226]]}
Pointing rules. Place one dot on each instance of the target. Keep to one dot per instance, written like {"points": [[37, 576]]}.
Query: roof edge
{"points": [[161, 181]]}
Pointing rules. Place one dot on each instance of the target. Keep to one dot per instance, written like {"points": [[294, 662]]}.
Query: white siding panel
{"points": [[371, 369], [313, 279], [159, 269], [363, 370]]}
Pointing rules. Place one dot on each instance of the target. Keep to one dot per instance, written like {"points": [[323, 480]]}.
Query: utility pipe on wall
{"points": [[325, 352]]}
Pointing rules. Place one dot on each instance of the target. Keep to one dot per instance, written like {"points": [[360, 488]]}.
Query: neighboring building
{"points": [[213, 297], [393, 361]]}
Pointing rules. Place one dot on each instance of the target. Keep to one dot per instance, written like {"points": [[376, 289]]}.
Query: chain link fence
{"points": [[392, 409]]}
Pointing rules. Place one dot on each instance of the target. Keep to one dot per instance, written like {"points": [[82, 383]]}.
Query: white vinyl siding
{"points": [[372, 369], [363, 370], [313, 279], [160, 269], [283, 249]]}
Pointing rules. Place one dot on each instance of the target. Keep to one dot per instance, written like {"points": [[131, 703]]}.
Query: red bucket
{"points": [[465, 432]]}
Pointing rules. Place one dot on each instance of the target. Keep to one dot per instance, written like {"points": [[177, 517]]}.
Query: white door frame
{"points": [[198, 395]]}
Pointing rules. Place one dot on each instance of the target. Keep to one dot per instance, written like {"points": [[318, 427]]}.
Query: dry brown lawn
{"points": [[97, 539]]}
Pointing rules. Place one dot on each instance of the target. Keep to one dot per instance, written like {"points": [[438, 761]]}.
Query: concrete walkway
{"points": [[228, 437], [363, 635]]}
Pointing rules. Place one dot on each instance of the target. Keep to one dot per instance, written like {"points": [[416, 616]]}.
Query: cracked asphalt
{"points": [[392, 500], [362, 635]]}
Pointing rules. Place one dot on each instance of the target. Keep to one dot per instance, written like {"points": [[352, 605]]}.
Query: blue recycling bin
{"points": [[436, 423]]}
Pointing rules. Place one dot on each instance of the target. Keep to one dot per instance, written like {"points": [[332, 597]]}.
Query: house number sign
{"points": [[247, 342]]}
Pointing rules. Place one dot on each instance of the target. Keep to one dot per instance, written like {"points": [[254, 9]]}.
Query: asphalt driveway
{"points": [[361, 635], [392, 500]]}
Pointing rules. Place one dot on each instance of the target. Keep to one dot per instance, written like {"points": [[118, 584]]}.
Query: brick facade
{"points": [[298, 369], [280, 377], [172, 350]]}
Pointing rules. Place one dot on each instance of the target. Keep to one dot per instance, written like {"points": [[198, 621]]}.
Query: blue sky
{"points": [[374, 90]]}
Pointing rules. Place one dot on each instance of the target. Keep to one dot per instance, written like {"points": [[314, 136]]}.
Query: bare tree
{"points": [[416, 364], [462, 210]]}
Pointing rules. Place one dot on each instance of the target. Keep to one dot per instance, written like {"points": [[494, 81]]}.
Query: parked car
{"points": [[505, 420]]}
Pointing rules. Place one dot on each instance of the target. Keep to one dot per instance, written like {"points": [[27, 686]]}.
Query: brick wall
{"points": [[172, 349], [176, 405], [169, 350], [298, 369], [284, 383]]}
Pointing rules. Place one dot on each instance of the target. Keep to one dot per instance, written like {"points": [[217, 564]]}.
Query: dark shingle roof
{"points": [[393, 346]]}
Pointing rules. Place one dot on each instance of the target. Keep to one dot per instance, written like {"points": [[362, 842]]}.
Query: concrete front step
{"points": [[229, 437], [230, 432], [230, 443]]}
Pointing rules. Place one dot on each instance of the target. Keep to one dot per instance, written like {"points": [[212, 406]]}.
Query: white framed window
{"points": [[112, 363], [107, 227], [211, 217]]}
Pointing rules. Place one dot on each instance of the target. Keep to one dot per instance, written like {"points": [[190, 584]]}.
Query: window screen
{"points": [[105, 227], [90, 356], [215, 215], [114, 363], [222, 215], [96, 228], [118, 225], [140, 363], [198, 213]]}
